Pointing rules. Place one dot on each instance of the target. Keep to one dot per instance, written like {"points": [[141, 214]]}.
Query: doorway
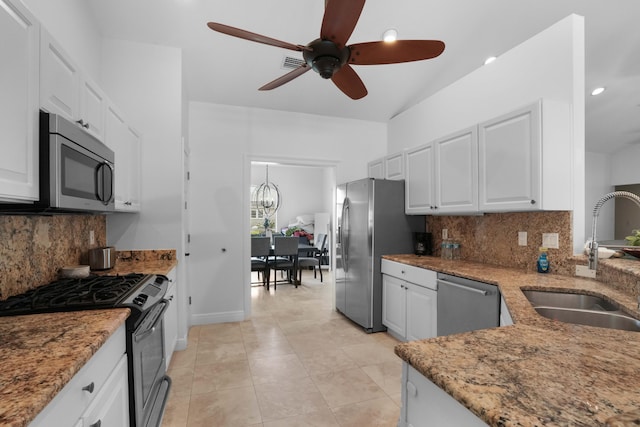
{"points": [[307, 187]]}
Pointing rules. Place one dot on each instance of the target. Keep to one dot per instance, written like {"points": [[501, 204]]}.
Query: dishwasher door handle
{"points": [[466, 288]]}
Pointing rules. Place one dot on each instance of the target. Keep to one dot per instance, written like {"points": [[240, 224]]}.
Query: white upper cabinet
{"points": [[376, 169], [20, 34], [64, 90], [510, 155], [525, 159], [419, 188], [394, 166], [456, 172], [388, 167], [125, 142]]}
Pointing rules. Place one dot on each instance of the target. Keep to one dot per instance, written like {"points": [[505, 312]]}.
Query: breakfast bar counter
{"points": [[537, 371]]}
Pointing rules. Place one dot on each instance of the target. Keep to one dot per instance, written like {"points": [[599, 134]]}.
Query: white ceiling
{"points": [[227, 70]]}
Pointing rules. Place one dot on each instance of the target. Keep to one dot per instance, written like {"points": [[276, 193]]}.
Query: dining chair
{"points": [[315, 260], [260, 248], [285, 258]]}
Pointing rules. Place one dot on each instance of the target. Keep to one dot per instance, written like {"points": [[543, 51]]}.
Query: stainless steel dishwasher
{"points": [[465, 305]]}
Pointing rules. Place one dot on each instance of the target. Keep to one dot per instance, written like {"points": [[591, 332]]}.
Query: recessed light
{"points": [[489, 60], [597, 91], [390, 35]]}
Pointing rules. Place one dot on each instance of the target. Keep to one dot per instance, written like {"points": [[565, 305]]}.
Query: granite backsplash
{"points": [[492, 238], [34, 248]]}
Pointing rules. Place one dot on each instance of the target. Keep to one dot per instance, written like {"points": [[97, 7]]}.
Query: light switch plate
{"points": [[522, 238], [551, 240]]}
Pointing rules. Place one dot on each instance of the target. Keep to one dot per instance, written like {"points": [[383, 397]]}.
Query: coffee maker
{"points": [[422, 244]]}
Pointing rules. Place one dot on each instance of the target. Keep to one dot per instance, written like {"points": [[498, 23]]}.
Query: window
{"points": [[257, 217]]}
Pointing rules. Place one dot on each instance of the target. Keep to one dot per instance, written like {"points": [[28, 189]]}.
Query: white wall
{"points": [[223, 141], [597, 184], [550, 65], [624, 166]]}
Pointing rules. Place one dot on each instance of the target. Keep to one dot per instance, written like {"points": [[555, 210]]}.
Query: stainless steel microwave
{"points": [[76, 171]]}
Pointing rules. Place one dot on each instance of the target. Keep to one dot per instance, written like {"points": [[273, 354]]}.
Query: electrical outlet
{"points": [[584, 271], [445, 234], [522, 238], [551, 240], [92, 237]]}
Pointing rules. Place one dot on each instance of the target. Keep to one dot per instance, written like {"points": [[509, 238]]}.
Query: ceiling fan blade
{"points": [[340, 18], [247, 35], [286, 78], [374, 53], [349, 82]]}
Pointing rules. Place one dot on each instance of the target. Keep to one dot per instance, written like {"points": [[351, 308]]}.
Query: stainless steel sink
{"points": [[602, 319], [581, 309], [571, 301]]}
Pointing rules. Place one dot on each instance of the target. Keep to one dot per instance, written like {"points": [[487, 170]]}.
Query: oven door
{"points": [[150, 385], [79, 178]]}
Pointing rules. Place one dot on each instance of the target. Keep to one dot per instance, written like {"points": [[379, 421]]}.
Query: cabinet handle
{"points": [[89, 388], [127, 203], [533, 202], [402, 271], [96, 424], [83, 123], [170, 298], [412, 391]]}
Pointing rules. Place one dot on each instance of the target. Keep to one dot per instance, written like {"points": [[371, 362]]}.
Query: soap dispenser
{"points": [[543, 261]]}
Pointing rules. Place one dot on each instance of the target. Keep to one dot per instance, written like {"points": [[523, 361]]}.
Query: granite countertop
{"points": [[144, 262], [537, 371], [40, 354]]}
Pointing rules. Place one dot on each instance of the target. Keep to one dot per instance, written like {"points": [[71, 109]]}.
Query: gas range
{"points": [[138, 292]]}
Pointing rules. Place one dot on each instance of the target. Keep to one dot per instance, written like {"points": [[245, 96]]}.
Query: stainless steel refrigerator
{"points": [[370, 223]]}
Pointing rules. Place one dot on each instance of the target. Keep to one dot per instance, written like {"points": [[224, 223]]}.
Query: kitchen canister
{"points": [[102, 258]]}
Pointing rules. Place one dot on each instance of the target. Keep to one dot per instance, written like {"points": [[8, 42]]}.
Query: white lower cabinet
{"points": [[111, 405], [424, 404], [97, 395], [171, 319], [409, 301]]}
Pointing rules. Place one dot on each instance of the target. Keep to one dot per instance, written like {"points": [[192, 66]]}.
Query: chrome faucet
{"points": [[593, 244]]}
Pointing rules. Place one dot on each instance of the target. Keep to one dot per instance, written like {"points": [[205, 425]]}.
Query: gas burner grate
{"points": [[86, 293]]}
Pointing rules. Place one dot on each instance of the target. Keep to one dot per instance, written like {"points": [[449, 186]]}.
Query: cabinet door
{"points": [[419, 180], [20, 33], [510, 161], [394, 166], [421, 312], [428, 405], [456, 172], [93, 107], [376, 169], [116, 137], [171, 319], [59, 80], [111, 405], [394, 305], [132, 151]]}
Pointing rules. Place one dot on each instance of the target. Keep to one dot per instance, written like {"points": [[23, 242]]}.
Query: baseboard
{"points": [[209, 318]]}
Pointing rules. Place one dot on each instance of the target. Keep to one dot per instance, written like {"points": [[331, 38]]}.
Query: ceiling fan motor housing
{"points": [[325, 57]]}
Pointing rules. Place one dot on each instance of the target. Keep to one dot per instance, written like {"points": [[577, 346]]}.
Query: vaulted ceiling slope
{"points": [[227, 70]]}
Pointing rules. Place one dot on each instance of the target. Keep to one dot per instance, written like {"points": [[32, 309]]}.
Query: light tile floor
{"points": [[297, 362]]}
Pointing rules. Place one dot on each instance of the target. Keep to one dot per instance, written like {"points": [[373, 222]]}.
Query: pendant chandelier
{"points": [[267, 196]]}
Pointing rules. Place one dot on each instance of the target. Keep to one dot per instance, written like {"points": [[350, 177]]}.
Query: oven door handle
{"points": [[141, 335]]}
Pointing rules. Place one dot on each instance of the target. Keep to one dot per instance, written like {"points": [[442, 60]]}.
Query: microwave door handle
{"points": [[107, 182], [100, 182]]}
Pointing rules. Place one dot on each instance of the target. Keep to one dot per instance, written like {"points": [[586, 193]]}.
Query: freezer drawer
{"points": [[466, 305]]}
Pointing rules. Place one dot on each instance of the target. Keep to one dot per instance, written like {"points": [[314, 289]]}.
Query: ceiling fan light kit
{"points": [[330, 56]]}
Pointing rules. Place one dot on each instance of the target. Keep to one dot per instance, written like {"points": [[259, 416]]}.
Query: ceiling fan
{"points": [[330, 56]]}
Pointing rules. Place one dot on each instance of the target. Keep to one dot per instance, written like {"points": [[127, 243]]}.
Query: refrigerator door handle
{"points": [[344, 235]]}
